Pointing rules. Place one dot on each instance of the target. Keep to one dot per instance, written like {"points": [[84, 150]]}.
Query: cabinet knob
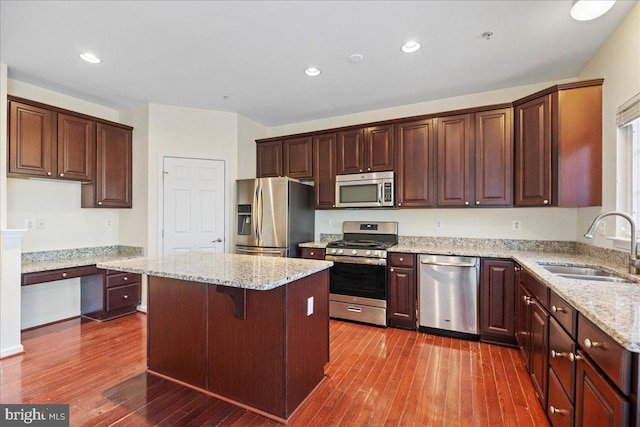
{"points": [[555, 354], [558, 411], [591, 344], [61, 175], [466, 203], [125, 278], [64, 274], [399, 204], [557, 309], [312, 253], [125, 296], [477, 202], [100, 203], [368, 169], [360, 170], [391, 270], [401, 259], [573, 357], [48, 173], [545, 202]]}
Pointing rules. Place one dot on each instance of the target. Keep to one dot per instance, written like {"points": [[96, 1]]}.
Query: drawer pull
{"points": [[312, 253], [125, 278], [558, 411], [125, 296], [557, 309], [64, 274], [391, 270], [591, 344], [354, 309], [401, 259], [555, 354]]}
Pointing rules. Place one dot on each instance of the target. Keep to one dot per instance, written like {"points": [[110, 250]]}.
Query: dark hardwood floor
{"points": [[376, 377]]}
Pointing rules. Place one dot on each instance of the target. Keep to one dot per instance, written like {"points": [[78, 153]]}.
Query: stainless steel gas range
{"points": [[358, 278]]}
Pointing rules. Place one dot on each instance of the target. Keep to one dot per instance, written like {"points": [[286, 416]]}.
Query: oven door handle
{"points": [[355, 260], [448, 264]]}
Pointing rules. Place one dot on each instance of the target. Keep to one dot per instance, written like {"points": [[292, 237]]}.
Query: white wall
{"points": [[618, 61], [248, 132]]}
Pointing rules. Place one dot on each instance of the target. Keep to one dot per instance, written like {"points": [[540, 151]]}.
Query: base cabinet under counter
{"points": [[109, 294]]}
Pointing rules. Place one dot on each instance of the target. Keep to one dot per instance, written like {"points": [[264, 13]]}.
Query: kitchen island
{"points": [[253, 331]]}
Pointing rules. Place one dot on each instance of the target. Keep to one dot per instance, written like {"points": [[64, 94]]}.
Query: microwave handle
{"points": [[380, 186]]}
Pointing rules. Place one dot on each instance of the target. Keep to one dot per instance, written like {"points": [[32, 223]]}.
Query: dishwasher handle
{"points": [[447, 264]]}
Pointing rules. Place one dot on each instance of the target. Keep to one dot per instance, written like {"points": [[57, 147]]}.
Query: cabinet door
{"points": [[415, 164], [455, 154], [350, 152], [379, 148], [402, 298], [523, 322], [269, 159], [533, 153], [597, 402], [31, 133], [497, 293], [76, 148], [298, 158], [494, 158], [324, 159], [113, 167], [539, 350]]}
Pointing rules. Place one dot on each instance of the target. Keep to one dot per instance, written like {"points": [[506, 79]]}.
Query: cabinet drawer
{"points": [[562, 350], [538, 290], [122, 279], [564, 313], [123, 296], [610, 356], [61, 274], [560, 410], [401, 260], [312, 253]]}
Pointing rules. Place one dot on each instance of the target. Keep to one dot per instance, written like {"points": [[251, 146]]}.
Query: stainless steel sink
{"points": [[584, 273]]}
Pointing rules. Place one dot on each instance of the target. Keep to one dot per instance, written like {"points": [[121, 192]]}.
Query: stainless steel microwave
{"points": [[365, 190]]}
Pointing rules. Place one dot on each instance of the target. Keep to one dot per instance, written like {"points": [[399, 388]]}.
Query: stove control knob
{"points": [[340, 251], [354, 252], [333, 251], [368, 253]]}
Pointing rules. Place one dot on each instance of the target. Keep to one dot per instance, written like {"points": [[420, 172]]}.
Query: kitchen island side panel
{"points": [[177, 329]]}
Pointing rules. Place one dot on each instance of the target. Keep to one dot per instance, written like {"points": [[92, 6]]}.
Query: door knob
{"points": [[218, 240]]}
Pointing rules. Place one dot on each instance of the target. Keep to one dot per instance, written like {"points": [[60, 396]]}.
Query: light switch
{"points": [[42, 224], [309, 306]]}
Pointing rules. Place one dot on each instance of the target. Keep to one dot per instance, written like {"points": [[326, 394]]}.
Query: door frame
{"points": [[160, 206]]}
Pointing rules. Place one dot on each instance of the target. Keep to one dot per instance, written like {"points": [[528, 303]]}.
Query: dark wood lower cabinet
{"points": [[497, 299], [109, 294], [598, 403], [559, 409], [539, 369], [402, 298]]}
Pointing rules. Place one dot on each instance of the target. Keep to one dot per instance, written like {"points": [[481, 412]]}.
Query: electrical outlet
{"points": [[42, 224], [516, 225], [439, 223], [108, 222], [28, 224], [327, 223], [602, 229]]}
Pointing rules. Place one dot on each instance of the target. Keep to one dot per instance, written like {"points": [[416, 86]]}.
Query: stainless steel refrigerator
{"points": [[273, 216]]}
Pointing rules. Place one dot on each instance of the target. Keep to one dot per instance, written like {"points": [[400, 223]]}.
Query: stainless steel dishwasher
{"points": [[448, 295]]}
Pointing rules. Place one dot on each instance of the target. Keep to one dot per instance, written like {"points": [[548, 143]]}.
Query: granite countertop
{"points": [[240, 271], [613, 307], [33, 262]]}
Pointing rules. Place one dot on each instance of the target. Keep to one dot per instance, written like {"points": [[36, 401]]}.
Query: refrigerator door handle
{"points": [[254, 213], [259, 208]]}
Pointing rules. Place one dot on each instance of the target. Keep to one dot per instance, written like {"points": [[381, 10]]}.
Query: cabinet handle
{"points": [[125, 296], [466, 203], [573, 357], [360, 170], [558, 411], [545, 202], [61, 175], [401, 259], [64, 274], [100, 203], [48, 173], [391, 270], [125, 278], [399, 204], [557, 309], [477, 202], [591, 344], [555, 354], [368, 169], [526, 299], [312, 253], [518, 269]]}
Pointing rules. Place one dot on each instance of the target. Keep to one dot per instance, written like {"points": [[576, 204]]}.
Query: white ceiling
{"points": [[192, 53]]}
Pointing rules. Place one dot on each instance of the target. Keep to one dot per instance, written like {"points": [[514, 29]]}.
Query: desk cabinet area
{"points": [[109, 294]]}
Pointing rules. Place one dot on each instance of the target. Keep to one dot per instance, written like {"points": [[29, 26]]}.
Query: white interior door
{"points": [[193, 205]]}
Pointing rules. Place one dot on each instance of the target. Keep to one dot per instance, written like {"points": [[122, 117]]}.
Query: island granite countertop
{"points": [[613, 307], [240, 271]]}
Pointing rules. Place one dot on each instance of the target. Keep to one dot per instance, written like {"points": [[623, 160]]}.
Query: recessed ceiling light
{"points": [[90, 57], [355, 58], [312, 71], [586, 10], [410, 46]]}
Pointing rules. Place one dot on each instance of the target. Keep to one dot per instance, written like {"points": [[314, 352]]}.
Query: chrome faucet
{"points": [[634, 260]]}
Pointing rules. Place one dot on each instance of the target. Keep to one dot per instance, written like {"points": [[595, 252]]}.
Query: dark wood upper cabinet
{"points": [[558, 146], [112, 185], [324, 165], [456, 160], [415, 164], [497, 299], [365, 150], [269, 159], [494, 157], [31, 140], [298, 158], [76, 147], [350, 152]]}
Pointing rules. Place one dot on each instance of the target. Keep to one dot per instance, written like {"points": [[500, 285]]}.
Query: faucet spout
{"points": [[634, 261]]}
